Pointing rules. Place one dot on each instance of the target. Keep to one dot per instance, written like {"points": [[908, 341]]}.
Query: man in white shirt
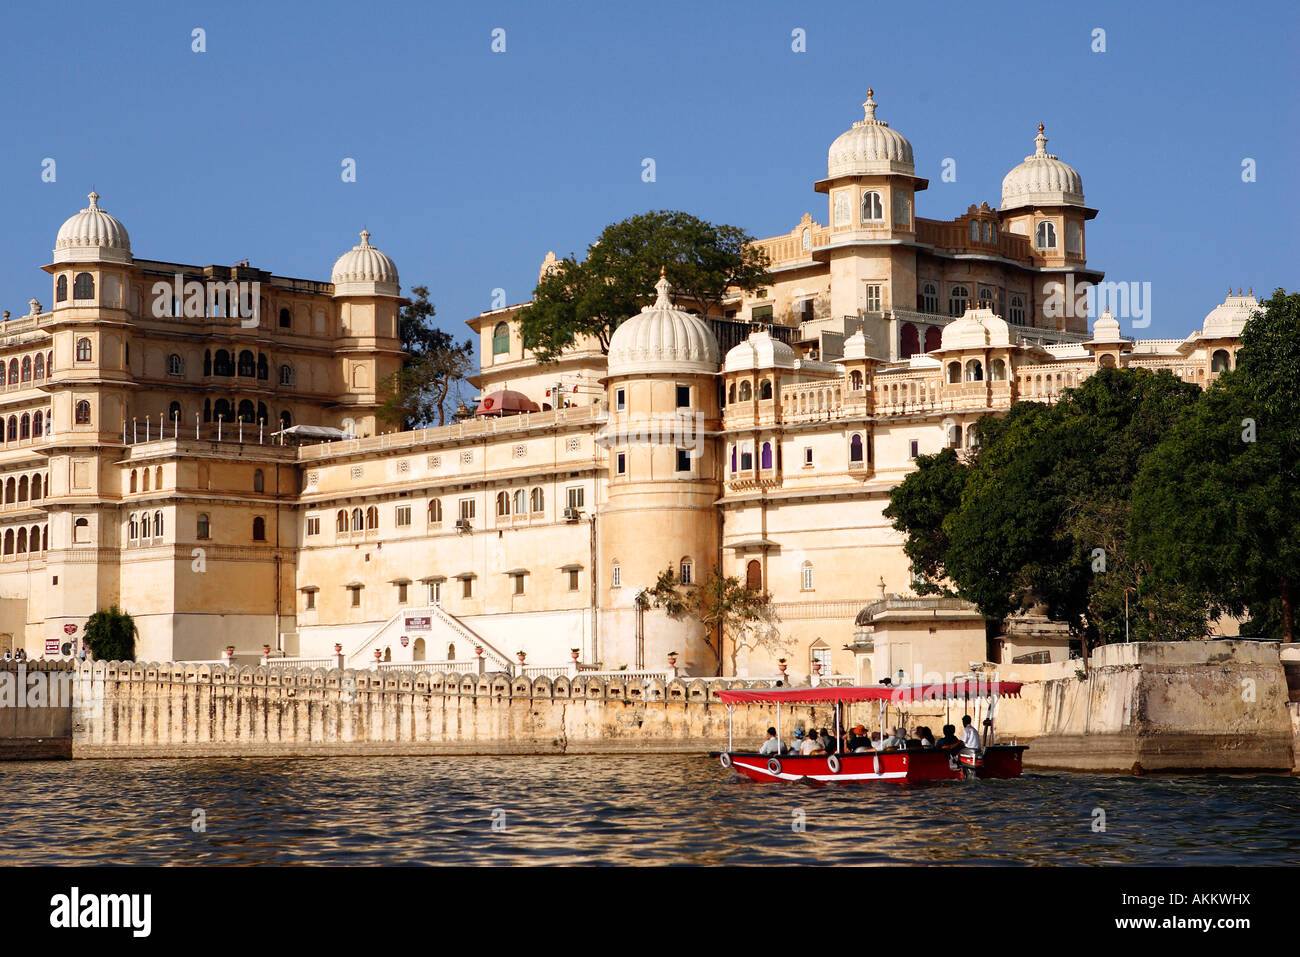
{"points": [[772, 745], [970, 738]]}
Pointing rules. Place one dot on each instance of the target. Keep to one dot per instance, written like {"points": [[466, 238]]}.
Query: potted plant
{"points": [[573, 653], [521, 655], [338, 648], [478, 651], [817, 667], [781, 666], [672, 659]]}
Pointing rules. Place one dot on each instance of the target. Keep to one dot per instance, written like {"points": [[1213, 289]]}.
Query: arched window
{"points": [[83, 287], [157, 524], [747, 457], [954, 436], [873, 210], [538, 500], [11, 491], [909, 342], [974, 371], [731, 393], [933, 338], [39, 367], [247, 364], [61, 289], [986, 297], [247, 412], [25, 427], [157, 477], [34, 540], [1219, 362], [27, 369], [929, 297], [733, 458], [175, 365], [521, 502], [134, 481], [855, 380], [262, 414], [286, 375], [286, 420], [203, 528], [173, 413], [22, 489], [144, 475], [765, 389], [36, 488], [954, 372], [765, 456], [997, 370], [958, 300], [11, 433], [222, 411], [357, 520], [82, 414], [83, 350], [22, 540], [207, 362], [500, 339], [754, 575], [259, 529], [855, 449], [259, 481], [341, 521], [746, 391], [1045, 235], [806, 241], [38, 425], [372, 517], [13, 371], [503, 503], [686, 571], [285, 320], [263, 368], [435, 512], [806, 576], [9, 542], [145, 526], [974, 230]]}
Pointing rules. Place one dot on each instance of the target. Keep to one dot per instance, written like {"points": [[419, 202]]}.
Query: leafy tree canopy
{"points": [[422, 391], [724, 606], [111, 635], [592, 297]]}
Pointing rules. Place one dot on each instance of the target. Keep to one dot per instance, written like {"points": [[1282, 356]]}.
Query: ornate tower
{"points": [[369, 350]]}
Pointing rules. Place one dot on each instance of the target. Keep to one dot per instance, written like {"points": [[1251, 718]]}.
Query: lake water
{"points": [[672, 809]]}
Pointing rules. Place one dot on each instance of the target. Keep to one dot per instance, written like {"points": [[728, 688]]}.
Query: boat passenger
{"points": [[810, 744], [858, 739], [922, 737], [970, 738], [896, 740], [949, 739], [827, 742], [772, 745], [875, 741], [796, 745]]}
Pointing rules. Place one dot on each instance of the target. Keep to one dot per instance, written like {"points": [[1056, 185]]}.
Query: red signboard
{"points": [[69, 629], [406, 640], [51, 646], [418, 624]]}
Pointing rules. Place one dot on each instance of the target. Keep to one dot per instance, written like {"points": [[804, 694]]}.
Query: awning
{"points": [[464, 575], [355, 585], [434, 578], [905, 694], [753, 543], [516, 571], [399, 581], [571, 567], [315, 432], [505, 402]]}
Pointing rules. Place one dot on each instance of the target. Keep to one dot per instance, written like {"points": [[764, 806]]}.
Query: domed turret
{"points": [[1229, 318], [92, 236], [869, 147], [365, 271], [1105, 330], [1042, 180], [661, 338], [977, 329], [760, 351]]}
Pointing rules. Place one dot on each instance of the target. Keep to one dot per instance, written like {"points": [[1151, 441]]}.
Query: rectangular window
{"points": [[309, 599], [355, 597], [620, 463], [620, 400], [467, 588], [683, 460], [519, 584], [616, 577], [683, 397], [807, 577], [873, 297], [467, 508], [573, 579], [313, 525], [807, 455], [746, 457], [806, 310], [687, 573], [913, 449], [435, 593], [761, 314], [575, 497], [401, 593], [402, 516]]}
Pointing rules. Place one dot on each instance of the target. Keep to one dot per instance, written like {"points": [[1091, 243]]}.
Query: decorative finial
{"points": [[1040, 141], [1238, 291], [869, 106], [94, 199], [1250, 291], [664, 300], [365, 237]]}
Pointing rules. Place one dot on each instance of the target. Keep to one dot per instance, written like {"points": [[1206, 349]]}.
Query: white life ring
{"points": [[774, 765], [833, 762], [725, 759], [875, 760]]}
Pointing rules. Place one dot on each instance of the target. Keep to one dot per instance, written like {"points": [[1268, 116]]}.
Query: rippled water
{"points": [[672, 809]]}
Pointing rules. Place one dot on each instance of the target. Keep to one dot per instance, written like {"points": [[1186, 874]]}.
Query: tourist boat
{"points": [[912, 764]]}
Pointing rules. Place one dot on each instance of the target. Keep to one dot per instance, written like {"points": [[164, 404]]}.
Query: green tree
{"points": [[1217, 503], [111, 635], [423, 390], [724, 606], [1040, 512], [592, 297]]}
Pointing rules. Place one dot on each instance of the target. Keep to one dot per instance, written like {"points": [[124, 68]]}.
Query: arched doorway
{"points": [[754, 575], [417, 650]]}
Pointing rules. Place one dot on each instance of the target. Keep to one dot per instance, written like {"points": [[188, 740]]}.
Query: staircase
{"points": [[362, 656]]}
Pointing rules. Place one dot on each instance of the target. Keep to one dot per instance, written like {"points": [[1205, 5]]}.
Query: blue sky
{"points": [[472, 164]]}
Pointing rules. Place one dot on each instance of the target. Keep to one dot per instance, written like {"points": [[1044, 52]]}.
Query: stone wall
{"points": [[35, 724]]}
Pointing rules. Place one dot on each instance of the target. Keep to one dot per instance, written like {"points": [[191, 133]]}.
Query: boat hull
{"points": [[920, 764]]}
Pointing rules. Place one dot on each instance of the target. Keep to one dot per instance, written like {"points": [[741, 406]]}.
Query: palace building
{"points": [[199, 444]]}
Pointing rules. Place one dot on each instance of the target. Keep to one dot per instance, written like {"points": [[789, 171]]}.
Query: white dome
{"points": [[662, 339], [855, 346], [364, 271], [1042, 180], [977, 329], [1228, 319], [869, 147], [1105, 329], [760, 351], [92, 236]]}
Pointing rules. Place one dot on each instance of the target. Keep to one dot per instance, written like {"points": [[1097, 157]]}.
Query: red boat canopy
{"points": [[903, 694]]}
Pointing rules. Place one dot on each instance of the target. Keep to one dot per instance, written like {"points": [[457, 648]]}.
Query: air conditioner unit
{"points": [[572, 514], [462, 524]]}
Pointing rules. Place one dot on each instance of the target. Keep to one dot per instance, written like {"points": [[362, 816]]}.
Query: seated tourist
{"points": [[970, 738], [858, 740], [875, 741], [896, 740], [926, 736], [826, 741], [810, 744], [796, 742], [772, 745], [949, 739]]}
